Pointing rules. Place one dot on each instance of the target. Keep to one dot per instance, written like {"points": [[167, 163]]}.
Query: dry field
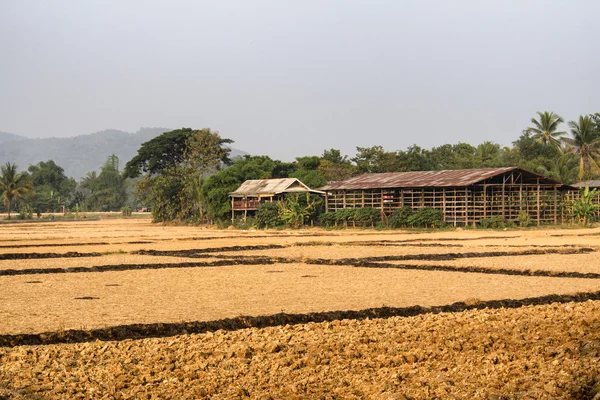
{"points": [[127, 309]]}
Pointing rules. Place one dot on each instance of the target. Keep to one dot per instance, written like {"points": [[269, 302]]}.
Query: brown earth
{"points": [[547, 351], [541, 352]]}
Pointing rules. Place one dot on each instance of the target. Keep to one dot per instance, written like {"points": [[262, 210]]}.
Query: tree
{"points": [[545, 129], [585, 142], [175, 165], [164, 151], [53, 188], [375, 159], [335, 167], [13, 185], [105, 191]]}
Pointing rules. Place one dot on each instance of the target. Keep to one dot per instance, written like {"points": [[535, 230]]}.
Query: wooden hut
{"points": [[464, 196], [252, 193]]}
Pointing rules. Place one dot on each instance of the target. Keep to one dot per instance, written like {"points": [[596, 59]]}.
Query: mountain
{"points": [[79, 154], [9, 137]]}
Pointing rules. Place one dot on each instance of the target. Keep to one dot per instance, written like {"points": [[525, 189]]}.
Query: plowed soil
{"points": [[139, 280]]}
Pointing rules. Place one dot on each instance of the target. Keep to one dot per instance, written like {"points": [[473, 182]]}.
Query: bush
{"points": [[400, 217], [524, 219], [494, 222], [125, 211], [267, 216], [328, 218], [26, 212], [362, 216], [427, 218]]}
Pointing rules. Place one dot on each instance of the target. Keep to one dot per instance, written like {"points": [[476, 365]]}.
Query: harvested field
{"points": [[535, 352], [211, 293], [120, 279]]}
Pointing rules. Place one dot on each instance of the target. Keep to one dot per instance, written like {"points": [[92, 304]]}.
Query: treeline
{"points": [[44, 188], [187, 175]]}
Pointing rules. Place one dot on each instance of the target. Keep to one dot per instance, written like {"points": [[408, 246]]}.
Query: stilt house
{"points": [[252, 193]]}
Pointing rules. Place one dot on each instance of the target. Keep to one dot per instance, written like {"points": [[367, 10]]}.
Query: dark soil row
{"points": [[452, 256], [140, 331], [27, 256], [24, 246], [472, 269], [129, 267], [200, 252]]}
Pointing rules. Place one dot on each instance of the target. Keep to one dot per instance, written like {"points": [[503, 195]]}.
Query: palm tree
{"points": [[544, 130], [13, 185], [585, 142]]}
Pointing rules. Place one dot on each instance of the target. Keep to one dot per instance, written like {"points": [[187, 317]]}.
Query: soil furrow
{"points": [[140, 331]]}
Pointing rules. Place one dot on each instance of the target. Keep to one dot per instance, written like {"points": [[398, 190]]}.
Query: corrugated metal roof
{"points": [[272, 186], [592, 184], [444, 178]]}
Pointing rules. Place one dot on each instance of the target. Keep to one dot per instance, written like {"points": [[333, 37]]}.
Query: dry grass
{"points": [[547, 351]]}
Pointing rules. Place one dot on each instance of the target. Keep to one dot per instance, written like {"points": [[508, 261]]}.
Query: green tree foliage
{"points": [[162, 152], [530, 154], [584, 209], [545, 129], [585, 143], [175, 165], [375, 159], [14, 185], [335, 167], [53, 189], [105, 191]]}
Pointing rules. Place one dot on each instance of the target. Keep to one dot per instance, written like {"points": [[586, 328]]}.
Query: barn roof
{"points": [[272, 187], [444, 178], [590, 184]]}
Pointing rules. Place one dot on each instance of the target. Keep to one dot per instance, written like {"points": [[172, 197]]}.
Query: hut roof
{"points": [[444, 178], [272, 187], [590, 184]]}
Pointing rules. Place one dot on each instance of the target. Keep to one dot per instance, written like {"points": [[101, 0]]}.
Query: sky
{"points": [[292, 78]]}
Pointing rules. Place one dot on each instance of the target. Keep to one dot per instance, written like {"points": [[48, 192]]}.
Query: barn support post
{"points": [[326, 202], [444, 204], [555, 205], [538, 203], [232, 210], [503, 196], [484, 201]]}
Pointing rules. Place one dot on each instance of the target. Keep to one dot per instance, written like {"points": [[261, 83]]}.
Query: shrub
{"points": [[494, 222], [328, 218], [26, 212], [267, 216], [367, 215], [427, 218], [125, 211], [524, 219], [400, 217]]}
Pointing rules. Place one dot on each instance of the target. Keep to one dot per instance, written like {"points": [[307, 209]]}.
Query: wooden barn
{"points": [[252, 193], [464, 196]]}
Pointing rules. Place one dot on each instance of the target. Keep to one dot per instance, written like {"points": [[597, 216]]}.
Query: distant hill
{"points": [[9, 137], [80, 154]]}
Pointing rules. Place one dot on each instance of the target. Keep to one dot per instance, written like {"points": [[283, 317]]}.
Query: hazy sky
{"points": [[291, 78]]}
